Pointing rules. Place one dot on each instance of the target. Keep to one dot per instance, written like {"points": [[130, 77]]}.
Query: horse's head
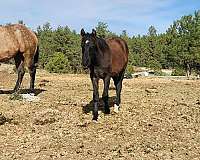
{"points": [[88, 45]]}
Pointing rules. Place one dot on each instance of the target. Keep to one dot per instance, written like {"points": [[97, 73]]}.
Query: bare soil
{"points": [[159, 119]]}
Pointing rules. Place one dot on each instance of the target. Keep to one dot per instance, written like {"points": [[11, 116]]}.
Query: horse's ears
{"points": [[94, 32], [82, 32]]}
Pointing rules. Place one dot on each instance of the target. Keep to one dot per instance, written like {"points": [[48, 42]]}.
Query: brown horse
{"points": [[20, 43], [105, 58]]}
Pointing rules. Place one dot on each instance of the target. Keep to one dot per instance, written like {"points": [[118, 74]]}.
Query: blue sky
{"points": [[134, 16]]}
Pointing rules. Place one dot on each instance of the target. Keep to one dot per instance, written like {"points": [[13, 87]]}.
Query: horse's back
{"points": [[16, 38], [119, 54], [26, 38]]}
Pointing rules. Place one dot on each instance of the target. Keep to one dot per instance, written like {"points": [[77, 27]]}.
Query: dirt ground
{"points": [[159, 119]]}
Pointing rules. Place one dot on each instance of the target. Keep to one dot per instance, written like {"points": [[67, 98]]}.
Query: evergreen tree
{"points": [[178, 48]]}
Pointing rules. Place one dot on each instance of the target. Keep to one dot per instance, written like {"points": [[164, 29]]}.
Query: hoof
{"points": [[94, 121], [116, 108], [95, 118], [107, 111]]}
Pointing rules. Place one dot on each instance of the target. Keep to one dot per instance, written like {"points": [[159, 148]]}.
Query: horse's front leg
{"points": [[106, 81], [95, 97]]}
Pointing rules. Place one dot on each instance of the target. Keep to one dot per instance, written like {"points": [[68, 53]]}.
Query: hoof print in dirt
{"points": [[198, 102], [44, 121], [43, 83], [151, 90], [83, 125], [3, 119]]}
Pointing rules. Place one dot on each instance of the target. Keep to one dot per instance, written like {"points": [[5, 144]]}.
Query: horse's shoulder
{"points": [[102, 44]]}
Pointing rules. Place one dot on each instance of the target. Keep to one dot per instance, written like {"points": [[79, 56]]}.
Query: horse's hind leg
{"points": [[118, 85], [106, 81], [32, 71], [19, 63]]}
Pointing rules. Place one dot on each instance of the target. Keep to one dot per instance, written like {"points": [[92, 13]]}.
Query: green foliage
{"points": [[178, 48], [152, 31], [60, 44], [129, 69], [102, 30], [178, 72], [154, 65], [159, 73], [58, 63], [15, 96]]}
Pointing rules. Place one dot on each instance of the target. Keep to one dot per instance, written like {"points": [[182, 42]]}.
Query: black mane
{"points": [[102, 45]]}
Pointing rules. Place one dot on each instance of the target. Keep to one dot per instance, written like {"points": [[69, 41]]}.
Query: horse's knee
{"points": [[21, 70], [32, 69], [105, 97]]}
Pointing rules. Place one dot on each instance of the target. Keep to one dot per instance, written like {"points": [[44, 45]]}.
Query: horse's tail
{"points": [[36, 56], [126, 47]]}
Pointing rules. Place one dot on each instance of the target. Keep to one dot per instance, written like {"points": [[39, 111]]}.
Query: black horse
{"points": [[105, 58]]}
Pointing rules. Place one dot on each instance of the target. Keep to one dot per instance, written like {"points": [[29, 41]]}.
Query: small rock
{"points": [[198, 102], [30, 97]]}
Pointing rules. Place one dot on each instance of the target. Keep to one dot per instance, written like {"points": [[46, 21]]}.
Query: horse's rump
{"points": [[16, 38], [119, 54]]}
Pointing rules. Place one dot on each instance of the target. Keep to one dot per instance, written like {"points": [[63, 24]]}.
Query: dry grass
{"points": [[159, 119]]}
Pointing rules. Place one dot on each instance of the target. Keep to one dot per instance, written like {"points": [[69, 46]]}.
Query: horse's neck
{"points": [[102, 48], [103, 55]]}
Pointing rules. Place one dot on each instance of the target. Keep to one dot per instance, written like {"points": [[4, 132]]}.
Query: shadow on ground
{"points": [[22, 91], [89, 107]]}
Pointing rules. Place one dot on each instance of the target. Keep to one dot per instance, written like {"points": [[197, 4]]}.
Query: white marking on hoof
{"points": [[116, 108], [94, 121]]}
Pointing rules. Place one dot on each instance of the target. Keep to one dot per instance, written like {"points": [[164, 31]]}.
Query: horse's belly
{"points": [[6, 55], [118, 65], [100, 73], [8, 45]]}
